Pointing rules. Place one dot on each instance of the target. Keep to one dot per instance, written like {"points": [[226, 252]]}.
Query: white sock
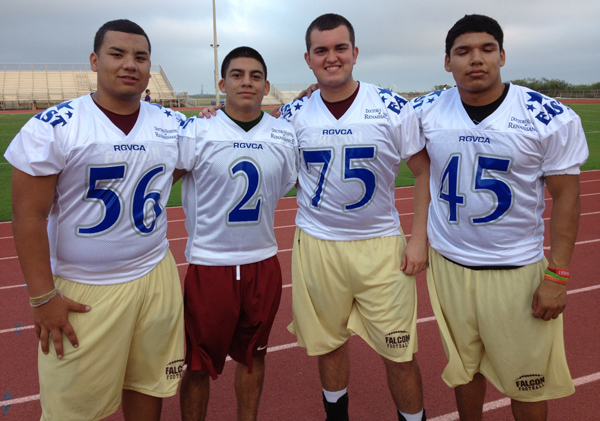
{"points": [[412, 417], [332, 397]]}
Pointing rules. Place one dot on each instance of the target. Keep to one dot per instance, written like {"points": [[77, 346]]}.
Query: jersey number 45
{"points": [[483, 182]]}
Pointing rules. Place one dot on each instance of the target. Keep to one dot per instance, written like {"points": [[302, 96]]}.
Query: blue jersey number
{"points": [[251, 214], [146, 206], [322, 158], [350, 172], [502, 191], [449, 188], [363, 175], [483, 182], [112, 203]]}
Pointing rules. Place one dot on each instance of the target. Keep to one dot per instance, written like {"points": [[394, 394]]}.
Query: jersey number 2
{"points": [[249, 215]]}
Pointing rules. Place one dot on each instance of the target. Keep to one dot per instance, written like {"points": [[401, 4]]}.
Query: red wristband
{"points": [[560, 272]]}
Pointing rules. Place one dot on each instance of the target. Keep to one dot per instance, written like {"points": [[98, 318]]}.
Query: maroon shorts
{"points": [[224, 315]]}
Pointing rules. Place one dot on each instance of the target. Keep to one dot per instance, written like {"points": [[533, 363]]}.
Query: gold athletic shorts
{"points": [[486, 325], [345, 287], [132, 338]]}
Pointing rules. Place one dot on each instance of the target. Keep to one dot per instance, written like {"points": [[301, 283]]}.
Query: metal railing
{"points": [[572, 94], [290, 86]]}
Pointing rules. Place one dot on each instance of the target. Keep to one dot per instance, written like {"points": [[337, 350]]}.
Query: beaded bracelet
{"points": [[43, 299]]}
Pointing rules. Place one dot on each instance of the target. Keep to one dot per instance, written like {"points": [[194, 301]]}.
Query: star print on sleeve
{"points": [[548, 108], [289, 109], [391, 100], [54, 116], [534, 97]]}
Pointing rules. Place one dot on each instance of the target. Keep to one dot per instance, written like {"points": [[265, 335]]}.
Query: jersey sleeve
{"points": [[289, 110], [404, 122], [292, 167], [412, 140], [416, 105], [565, 149], [35, 150], [189, 131], [181, 117]]}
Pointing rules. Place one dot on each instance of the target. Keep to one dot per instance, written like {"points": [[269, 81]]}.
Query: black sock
{"points": [[337, 411]]}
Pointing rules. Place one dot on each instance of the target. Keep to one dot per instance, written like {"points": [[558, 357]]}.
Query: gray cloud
{"points": [[401, 43]]}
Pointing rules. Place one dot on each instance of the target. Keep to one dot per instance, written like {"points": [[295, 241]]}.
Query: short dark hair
{"points": [[119, 25], [474, 23], [328, 22], [242, 52]]}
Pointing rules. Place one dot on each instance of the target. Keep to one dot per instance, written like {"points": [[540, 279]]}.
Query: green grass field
{"points": [[10, 124]]}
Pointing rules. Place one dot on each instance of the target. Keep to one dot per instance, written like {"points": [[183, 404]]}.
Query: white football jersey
{"points": [[234, 181], [487, 180], [348, 166], [108, 222]]}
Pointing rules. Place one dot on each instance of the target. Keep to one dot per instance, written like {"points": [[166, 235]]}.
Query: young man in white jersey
{"points": [[351, 268], [239, 163], [498, 301], [100, 169]]}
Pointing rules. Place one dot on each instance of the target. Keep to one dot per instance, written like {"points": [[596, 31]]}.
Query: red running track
{"points": [[292, 389]]}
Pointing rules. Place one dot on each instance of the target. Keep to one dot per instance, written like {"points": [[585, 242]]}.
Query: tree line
{"points": [[544, 84]]}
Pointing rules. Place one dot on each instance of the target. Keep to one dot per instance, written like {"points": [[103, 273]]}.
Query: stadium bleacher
{"points": [[33, 86]]}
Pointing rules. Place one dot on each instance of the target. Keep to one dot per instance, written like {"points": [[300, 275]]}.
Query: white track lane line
{"points": [[15, 329], [14, 286], [500, 403], [423, 320], [20, 400]]}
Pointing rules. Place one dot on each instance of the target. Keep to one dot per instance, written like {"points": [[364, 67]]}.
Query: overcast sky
{"points": [[401, 43]]}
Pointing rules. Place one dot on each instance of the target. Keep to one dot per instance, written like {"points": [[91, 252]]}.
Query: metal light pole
{"points": [[216, 58]]}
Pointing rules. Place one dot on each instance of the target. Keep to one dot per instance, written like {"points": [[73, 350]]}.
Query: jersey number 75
{"points": [[323, 158]]}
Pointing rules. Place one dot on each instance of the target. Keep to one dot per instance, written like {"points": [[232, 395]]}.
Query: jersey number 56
{"points": [[145, 205]]}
